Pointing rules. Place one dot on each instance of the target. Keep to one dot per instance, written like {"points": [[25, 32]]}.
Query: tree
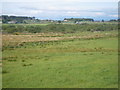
{"points": [[59, 21], [102, 20]]}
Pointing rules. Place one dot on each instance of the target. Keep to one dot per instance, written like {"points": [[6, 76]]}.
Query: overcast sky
{"points": [[60, 9]]}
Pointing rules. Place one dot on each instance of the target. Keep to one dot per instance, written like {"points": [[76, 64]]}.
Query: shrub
{"points": [[16, 33], [17, 29]]}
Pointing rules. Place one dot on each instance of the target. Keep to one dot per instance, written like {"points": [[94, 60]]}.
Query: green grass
{"points": [[63, 64]]}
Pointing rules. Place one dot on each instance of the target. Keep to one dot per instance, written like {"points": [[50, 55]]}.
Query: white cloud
{"points": [[113, 16], [85, 13], [35, 11], [59, 1], [71, 12], [99, 13], [60, 8], [11, 14]]}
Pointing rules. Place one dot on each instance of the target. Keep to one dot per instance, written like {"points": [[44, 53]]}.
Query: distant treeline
{"points": [[79, 19], [32, 20], [22, 19], [15, 19], [63, 28]]}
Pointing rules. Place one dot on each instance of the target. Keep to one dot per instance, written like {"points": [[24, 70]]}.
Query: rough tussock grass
{"points": [[76, 63]]}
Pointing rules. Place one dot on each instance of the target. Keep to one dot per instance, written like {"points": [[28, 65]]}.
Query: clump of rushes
{"points": [[24, 65], [23, 60], [27, 64], [4, 71], [30, 64], [12, 60]]}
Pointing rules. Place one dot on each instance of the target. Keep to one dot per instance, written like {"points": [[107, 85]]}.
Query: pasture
{"points": [[61, 60]]}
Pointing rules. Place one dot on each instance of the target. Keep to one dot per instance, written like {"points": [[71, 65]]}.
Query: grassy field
{"points": [[56, 60]]}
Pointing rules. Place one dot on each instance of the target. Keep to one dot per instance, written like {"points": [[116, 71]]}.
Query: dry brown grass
{"points": [[16, 40]]}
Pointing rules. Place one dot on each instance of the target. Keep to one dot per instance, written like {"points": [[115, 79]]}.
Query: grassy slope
{"points": [[69, 64]]}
